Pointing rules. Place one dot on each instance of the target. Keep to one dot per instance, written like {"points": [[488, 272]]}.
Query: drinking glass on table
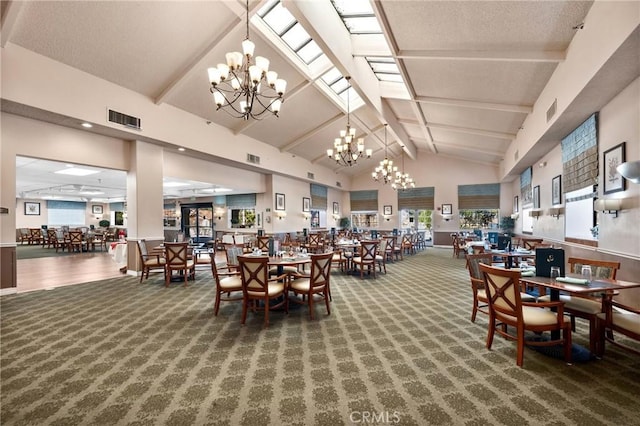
{"points": [[554, 273], [586, 272]]}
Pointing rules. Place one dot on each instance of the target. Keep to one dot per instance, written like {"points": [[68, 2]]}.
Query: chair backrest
{"points": [[263, 243], [531, 243], [228, 239], [477, 249], [232, 252], [314, 239], [599, 268], [368, 250], [75, 237], [382, 246], [474, 261], [51, 234], [320, 269], [35, 232], [254, 271], [503, 292], [142, 248], [176, 254]]}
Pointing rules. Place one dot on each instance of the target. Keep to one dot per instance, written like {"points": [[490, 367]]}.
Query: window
{"points": [[243, 218], [416, 220], [364, 220], [479, 218]]}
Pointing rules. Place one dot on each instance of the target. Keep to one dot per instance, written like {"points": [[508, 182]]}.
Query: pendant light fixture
{"points": [[385, 171]]}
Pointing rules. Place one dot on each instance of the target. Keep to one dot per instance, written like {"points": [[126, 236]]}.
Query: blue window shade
{"points": [[416, 198], [364, 201], [220, 200], [116, 207], [318, 197], [580, 156], [66, 205], [478, 197], [525, 187], [170, 206], [244, 201]]}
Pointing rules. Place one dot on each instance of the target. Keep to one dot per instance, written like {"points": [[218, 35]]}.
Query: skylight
{"points": [[77, 171]]}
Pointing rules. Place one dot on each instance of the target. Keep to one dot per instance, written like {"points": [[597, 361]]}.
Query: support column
{"points": [[144, 200], [8, 259]]}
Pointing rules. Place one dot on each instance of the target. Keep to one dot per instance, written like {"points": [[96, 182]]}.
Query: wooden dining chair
{"points": [[149, 262], [506, 308], [76, 241], [316, 283], [228, 285], [366, 259], [232, 251], [258, 289], [618, 318], [381, 255], [177, 259]]}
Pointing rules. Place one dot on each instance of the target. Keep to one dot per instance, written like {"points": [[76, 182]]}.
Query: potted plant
{"points": [[507, 224], [344, 222], [104, 223]]}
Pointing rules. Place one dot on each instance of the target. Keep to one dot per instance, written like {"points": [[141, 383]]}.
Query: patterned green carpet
{"points": [[399, 349]]}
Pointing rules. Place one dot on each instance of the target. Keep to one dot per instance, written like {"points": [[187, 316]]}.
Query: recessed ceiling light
{"points": [[77, 171], [91, 192], [181, 149], [174, 184], [87, 125]]}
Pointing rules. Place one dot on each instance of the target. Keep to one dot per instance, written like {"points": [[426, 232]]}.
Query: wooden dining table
{"points": [[603, 286]]}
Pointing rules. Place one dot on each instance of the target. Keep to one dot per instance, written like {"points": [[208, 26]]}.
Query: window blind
{"points": [[477, 197], [244, 201], [526, 194], [318, 197], [364, 200], [416, 198], [580, 156]]}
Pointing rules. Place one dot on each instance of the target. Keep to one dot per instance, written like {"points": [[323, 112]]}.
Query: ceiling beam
{"points": [[487, 55], [9, 18], [522, 109], [489, 133], [310, 133], [470, 148]]}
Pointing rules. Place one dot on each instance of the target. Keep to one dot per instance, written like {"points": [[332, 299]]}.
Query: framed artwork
{"points": [[387, 210], [536, 197], [336, 208], [96, 209], [306, 204], [516, 206], [556, 190], [613, 181], [32, 209], [279, 201], [447, 209]]}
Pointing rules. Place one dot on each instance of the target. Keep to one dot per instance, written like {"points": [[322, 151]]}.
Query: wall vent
{"points": [[126, 120], [310, 176], [338, 184], [253, 159], [516, 155], [552, 110]]}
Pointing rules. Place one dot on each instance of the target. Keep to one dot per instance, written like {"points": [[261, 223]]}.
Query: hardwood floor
{"points": [[47, 273]]}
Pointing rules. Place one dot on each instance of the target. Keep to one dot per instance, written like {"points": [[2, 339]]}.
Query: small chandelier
{"points": [[385, 170], [345, 150], [243, 89], [402, 180]]}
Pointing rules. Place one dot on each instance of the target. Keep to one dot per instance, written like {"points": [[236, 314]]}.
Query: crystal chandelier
{"points": [[402, 180], [243, 89], [346, 150], [385, 170]]}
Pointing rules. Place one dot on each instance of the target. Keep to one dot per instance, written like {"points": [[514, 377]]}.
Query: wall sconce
{"points": [[535, 213], [281, 214], [556, 212], [447, 217], [306, 215], [608, 205], [630, 171], [336, 216], [219, 212], [515, 216]]}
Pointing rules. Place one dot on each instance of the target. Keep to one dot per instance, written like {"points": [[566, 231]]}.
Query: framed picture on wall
{"points": [[516, 205], [612, 158], [336, 208], [536, 197], [556, 190], [306, 204], [279, 201], [96, 209], [447, 209], [32, 209], [387, 210]]}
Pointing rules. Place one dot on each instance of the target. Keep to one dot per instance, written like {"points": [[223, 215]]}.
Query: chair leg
{"points": [[266, 313], [311, 306], [474, 311], [567, 344], [217, 304], [326, 299], [490, 331]]}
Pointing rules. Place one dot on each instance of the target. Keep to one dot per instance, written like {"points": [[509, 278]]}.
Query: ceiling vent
{"points": [[552, 110], [311, 176], [338, 184], [254, 159], [123, 119]]}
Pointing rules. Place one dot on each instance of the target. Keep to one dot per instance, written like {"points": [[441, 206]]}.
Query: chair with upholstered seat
{"points": [[315, 244], [316, 283], [507, 309], [339, 260], [381, 255], [149, 262], [621, 319], [177, 259], [76, 241], [232, 251], [258, 289], [587, 307], [228, 284], [35, 236], [366, 259]]}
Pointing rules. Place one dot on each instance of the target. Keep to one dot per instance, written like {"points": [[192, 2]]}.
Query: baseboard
{"points": [[9, 290]]}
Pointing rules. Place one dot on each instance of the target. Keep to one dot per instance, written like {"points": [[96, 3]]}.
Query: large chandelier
{"points": [[244, 89], [403, 180], [346, 150], [385, 170]]}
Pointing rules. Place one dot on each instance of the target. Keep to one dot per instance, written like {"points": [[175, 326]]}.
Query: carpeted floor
{"points": [[26, 251], [399, 350]]}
